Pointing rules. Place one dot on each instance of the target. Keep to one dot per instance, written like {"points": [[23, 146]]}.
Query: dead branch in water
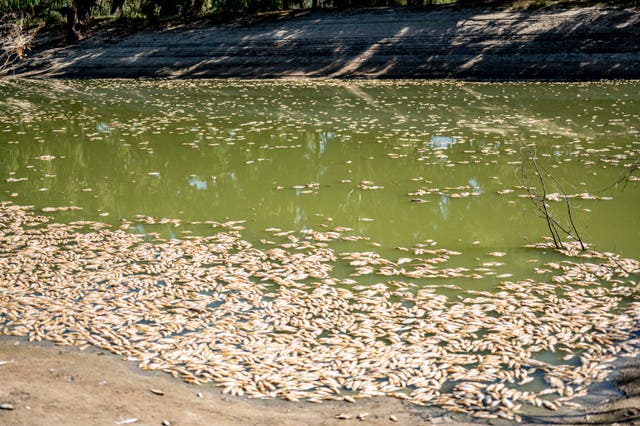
{"points": [[625, 177], [529, 165]]}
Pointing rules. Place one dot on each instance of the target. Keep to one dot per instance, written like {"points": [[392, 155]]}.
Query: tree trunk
{"points": [[83, 10], [72, 18], [116, 7], [77, 15]]}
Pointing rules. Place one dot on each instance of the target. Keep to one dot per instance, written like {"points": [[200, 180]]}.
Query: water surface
{"points": [[301, 154], [336, 173]]}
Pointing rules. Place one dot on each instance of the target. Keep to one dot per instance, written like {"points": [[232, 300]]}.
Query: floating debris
{"points": [[554, 196], [497, 254], [462, 191], [293, 317], [60, 209], [368, 185], [273, 324]]}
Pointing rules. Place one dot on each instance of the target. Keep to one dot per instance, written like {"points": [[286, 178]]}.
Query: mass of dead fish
{"points": [[275, 322]]}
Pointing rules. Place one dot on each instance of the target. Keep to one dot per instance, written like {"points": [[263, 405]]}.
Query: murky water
{"points": [[372, 215], [304, 154]]}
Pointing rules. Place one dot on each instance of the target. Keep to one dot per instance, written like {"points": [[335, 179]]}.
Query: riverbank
{"points": [[564, 44], [47, 384], [44, 384]]}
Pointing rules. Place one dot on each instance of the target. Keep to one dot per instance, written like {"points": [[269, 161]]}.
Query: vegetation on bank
{"points": [[82, 11]]}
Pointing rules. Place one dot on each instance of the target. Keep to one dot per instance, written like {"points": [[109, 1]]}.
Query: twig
{"points": [[576, 234], [623, 178], [540, 203]]}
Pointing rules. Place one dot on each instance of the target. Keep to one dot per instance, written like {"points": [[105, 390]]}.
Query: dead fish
{"points": [[127, 421]]}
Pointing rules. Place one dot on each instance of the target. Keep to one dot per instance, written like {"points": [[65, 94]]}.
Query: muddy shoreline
{"points": [[47, 384], [547, 44]]}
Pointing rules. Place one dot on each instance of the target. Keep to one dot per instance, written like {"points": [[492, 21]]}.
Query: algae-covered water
{"points": [[297, 154], [371, 233]]}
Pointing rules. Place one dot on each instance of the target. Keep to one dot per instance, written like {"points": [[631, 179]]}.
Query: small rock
{"points": [[165, 422], [362, 416], [393, 418], [199, 395], [6, 406], [343, 416], [156, 391]]}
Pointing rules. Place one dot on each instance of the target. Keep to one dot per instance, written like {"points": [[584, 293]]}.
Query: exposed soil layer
{"points": [[565, 44]]}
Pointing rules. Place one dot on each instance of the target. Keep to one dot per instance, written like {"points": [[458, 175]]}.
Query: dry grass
{"points": [[16, 38]]}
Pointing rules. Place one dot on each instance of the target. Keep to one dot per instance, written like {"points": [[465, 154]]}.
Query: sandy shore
{"points": [[566, 44]]}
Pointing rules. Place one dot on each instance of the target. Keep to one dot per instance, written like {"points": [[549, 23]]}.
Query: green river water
{"points": [[305, 154], [390, 164]]}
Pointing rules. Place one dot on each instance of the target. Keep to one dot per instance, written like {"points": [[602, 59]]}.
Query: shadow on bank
{"points": [[564, 44]]}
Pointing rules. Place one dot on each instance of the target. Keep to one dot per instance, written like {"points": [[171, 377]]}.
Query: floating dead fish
{"points": [[279, 323]]}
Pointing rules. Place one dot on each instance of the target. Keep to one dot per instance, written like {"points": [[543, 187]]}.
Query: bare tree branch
{"points": [[624, 177], [540, 202], [15, 38]]}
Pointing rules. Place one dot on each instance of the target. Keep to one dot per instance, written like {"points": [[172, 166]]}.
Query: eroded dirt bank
{"points": [[567, 44]]}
